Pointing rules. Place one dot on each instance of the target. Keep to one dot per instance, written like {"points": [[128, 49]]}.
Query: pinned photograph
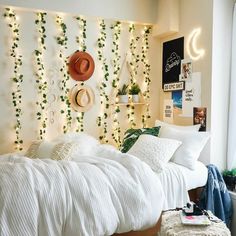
{"points": [[200, 117], [186, 70]]}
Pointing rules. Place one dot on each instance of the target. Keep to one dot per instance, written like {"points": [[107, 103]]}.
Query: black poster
{"points": [[173, 53]]}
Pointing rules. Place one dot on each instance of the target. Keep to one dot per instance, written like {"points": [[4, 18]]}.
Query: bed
{"points": [[93, 190]]}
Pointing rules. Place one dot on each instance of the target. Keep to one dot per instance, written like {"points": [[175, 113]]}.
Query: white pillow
{"points": [[154, 151], [53, 150], [87, 144], [178, 127], [192, 144]]}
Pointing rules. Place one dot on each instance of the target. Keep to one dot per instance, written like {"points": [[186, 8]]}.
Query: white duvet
{"points": [[91, 196]]}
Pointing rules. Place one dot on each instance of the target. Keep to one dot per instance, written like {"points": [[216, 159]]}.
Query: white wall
{"points": [[221, 56], [143, 11]]}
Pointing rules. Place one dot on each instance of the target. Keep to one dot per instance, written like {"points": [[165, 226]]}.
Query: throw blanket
{"points": [[215, 196], [89, 197]]}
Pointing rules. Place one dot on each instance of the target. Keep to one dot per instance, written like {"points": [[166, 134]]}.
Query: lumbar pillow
{"points": [[131, 136], [192, 144], [154, 151], [178, 127]]}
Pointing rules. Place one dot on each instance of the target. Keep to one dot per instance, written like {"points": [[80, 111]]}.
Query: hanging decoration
{"points": [[80, 39], [17, 78], [41, 80], [116, 31], [62, 41], [133, 69], [104, 98], [146, 72]]}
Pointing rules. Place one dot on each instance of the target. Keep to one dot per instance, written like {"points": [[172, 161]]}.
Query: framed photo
{"points": [[186, 70], [200, 117], [173, 53]]}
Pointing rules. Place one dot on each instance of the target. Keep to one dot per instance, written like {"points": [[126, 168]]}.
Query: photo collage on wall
{"points": [[179, 79]]}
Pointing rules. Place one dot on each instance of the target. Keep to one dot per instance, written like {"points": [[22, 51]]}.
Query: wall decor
{"points": [[41, 80], [200, 117], [62, 40], [174, 86], [186, 70], [192, 49], [133, 65], [192, 95], [146, 71], [177, 101], [104, 98], [12, 20], [116, 31], [80, 39], [46, 84], [173, 53], [168, 111]]}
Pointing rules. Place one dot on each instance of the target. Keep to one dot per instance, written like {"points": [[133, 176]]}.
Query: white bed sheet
{"points": [[193, 178]]}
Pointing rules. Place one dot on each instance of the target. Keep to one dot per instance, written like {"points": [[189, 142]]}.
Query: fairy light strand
{"points": [[62, 42], [146, 72], [41, 80], [80, 39], [17, 78], [104, 98], [116, 31]]}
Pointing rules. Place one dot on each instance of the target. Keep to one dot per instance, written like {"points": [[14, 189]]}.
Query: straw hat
{"points": [[81, 66], [81, 98]]}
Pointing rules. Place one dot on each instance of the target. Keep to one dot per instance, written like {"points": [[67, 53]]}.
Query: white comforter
{"points": [[91, 196]]}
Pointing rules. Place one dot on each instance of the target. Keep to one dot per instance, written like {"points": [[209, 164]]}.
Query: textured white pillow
{"points": [[86, 143], [154, 151], [192, 144], [53, 150], [178, 127]]}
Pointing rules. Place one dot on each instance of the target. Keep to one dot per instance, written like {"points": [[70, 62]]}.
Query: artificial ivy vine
{"points": [[82, 47], [146, 71], [102, 119], [133, 65], [116, 31], [11, 18], [62, 41], [40, 73]]}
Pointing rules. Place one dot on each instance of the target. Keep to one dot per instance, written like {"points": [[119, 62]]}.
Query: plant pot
{"points": [[123, 98], [135, 98], [230, 181]]}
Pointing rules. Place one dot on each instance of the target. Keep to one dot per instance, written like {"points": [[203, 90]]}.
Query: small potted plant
{"points": [[123, 94], [134, 91], [230, 178]]}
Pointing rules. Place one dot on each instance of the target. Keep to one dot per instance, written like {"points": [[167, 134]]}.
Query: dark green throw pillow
{"points": [[131, 136]]}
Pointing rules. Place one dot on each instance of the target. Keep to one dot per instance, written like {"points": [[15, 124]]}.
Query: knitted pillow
{"points": [[131, 136]]}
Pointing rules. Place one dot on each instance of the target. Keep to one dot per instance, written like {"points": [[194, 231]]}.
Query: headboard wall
{"points": [[34, 84]]}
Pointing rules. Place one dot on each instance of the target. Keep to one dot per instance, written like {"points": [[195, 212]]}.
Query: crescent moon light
{"points": [[192, 49]]}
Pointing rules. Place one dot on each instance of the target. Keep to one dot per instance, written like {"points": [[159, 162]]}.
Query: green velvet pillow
{"points": [[131, 136]]}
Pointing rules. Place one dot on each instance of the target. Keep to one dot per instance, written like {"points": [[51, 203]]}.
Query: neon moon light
{"points": [[193, 52]]}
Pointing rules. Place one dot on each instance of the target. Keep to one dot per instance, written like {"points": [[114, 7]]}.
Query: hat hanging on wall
{"points": [[81, 98], [80, 66]]}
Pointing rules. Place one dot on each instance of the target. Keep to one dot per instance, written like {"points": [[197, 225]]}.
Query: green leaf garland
{"points": [[116, 31], [82, 47], [146, 72], [11, 18], [41, 80], [62, 42], [104, 98]]}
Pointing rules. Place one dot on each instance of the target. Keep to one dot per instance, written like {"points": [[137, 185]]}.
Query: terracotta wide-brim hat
{"points": [[81, 98], [81, 66]]}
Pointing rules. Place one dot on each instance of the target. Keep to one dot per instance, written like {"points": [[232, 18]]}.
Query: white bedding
{"points": [[90, 197], [194, 178], [176, 180]]}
